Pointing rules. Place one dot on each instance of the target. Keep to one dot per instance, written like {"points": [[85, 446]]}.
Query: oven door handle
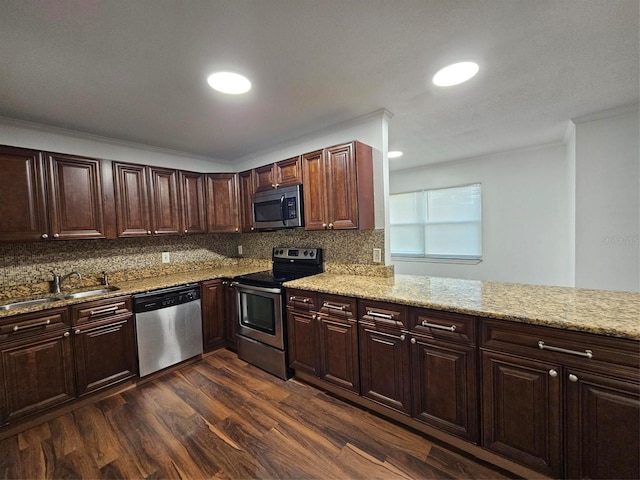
{"points": [[257, 289]]}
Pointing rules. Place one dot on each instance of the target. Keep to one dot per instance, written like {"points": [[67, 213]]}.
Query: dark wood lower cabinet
{"points": [[303, 342], [105, 353], [339, 352], [522, 411], [384, 368], [445, 386], [602, 426], [231, 316], [36, 373], [212, 297]]}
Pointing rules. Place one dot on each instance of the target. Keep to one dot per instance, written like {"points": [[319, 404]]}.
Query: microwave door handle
{"points": [[282, 212]]}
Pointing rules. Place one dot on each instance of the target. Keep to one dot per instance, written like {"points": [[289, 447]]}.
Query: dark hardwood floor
{"points": [[222, 418]]}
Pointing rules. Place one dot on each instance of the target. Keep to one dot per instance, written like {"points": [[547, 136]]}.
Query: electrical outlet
{"points": [[165, 257], [239, 249], [377, 255]]}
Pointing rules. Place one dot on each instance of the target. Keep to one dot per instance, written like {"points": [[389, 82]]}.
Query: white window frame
{"points": [[425, 257]]}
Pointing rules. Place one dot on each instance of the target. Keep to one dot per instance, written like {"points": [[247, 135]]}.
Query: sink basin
{"points": [[89, 293], [29, 303]]}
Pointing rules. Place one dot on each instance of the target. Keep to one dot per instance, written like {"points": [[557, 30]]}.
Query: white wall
{"points": [[608, 201], [370, 129], [40, 137], [526, 215]]}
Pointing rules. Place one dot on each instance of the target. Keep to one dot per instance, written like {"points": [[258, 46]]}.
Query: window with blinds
{"points": [[445, 223]]}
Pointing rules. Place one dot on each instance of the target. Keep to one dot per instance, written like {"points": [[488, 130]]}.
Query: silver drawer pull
{"points": [[386, 316], [586, 353], [452, 328], [33, 325], [334, 307], [103, 311], [298, 299]]}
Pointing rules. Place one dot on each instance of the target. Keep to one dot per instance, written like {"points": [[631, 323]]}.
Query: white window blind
{"points": [[443, 223]]}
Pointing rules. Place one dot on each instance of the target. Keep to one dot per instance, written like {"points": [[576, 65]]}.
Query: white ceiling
{"points": [[136, 70]]}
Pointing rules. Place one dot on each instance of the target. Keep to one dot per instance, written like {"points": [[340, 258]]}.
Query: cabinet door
{"points": [[339, 353], [303, 342], [23, 214], [288, 172], [194, 216], [603, 426], [231, 316], [165, 206], [445, 386], [384, 368], [314, 191], [522, 411], [247, 190], [35, 373], [105, 353], [212, 300], [264, 178], [75, 197], [342, 189], [222, 203], [133, 216]]}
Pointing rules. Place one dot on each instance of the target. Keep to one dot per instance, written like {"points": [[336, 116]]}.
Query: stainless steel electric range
{"points": [[262, 336]]}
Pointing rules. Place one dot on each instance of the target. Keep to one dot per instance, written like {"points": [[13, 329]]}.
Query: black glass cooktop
{"points": [[268, 278]]}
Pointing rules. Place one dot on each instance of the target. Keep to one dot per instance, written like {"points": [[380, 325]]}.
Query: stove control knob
{"points": [[306, 252], [312, 253]]}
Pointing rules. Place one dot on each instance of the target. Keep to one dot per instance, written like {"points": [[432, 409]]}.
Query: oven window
{"points": [[258, 312]]}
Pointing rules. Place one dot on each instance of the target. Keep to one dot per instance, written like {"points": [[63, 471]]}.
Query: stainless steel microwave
{"points": [[279, 208]]}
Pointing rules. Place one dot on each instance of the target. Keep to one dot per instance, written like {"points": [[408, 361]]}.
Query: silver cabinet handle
{"points": [[298, 299], [77, 332], [66, 334], [553, 373], [573, 378], [56, 235], [586, 353], [342, 308], [452, 328], [148, 232], [44, 235], [324, 225], [33, 325], [103, 311], [413, 341], [386, 316], [402, 337], [331, 225], [273, 185], [185, 230]]}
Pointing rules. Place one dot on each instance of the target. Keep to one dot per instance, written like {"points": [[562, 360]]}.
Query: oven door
{"points": [[260, 314]]}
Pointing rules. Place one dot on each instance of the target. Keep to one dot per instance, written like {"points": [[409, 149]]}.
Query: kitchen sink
{"points": [[89, 293], [29, 303], [57, 298]]}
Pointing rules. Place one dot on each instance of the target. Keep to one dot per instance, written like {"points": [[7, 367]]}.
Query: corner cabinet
{"points": [[338, 188], [223, 215]]}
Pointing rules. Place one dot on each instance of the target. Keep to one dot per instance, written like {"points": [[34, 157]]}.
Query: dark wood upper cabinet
{"points": [[280, 174], [23, 211], [133, 217], [247, 189], [165, 201], [75, 197], [194, 212], [222, 202], [338, 187]]}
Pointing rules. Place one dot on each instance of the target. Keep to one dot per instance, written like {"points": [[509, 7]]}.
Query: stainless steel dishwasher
{"points": [[168, 326]]}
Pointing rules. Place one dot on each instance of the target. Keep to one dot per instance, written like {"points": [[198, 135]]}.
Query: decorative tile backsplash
{"points": [[29, 263]]}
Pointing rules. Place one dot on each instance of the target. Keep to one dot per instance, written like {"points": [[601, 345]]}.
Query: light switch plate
{"points": [[165, 257], [377, 255]]}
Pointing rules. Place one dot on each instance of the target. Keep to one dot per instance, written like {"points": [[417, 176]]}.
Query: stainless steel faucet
{"points": [[58, 279]]}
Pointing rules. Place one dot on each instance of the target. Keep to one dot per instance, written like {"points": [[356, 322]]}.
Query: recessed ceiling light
{"points": [[394, 154], [228, 82], [455, 74]]}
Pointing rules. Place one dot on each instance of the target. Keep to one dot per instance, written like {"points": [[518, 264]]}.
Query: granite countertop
{"points": [[137, 286], [602, 312]]}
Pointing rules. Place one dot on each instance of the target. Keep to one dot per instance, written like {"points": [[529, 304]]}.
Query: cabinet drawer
{"points": [[301, 300], [382, 314], [12, 328], [337, 306], [91, 311], [443, 325], [555, 344]]}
